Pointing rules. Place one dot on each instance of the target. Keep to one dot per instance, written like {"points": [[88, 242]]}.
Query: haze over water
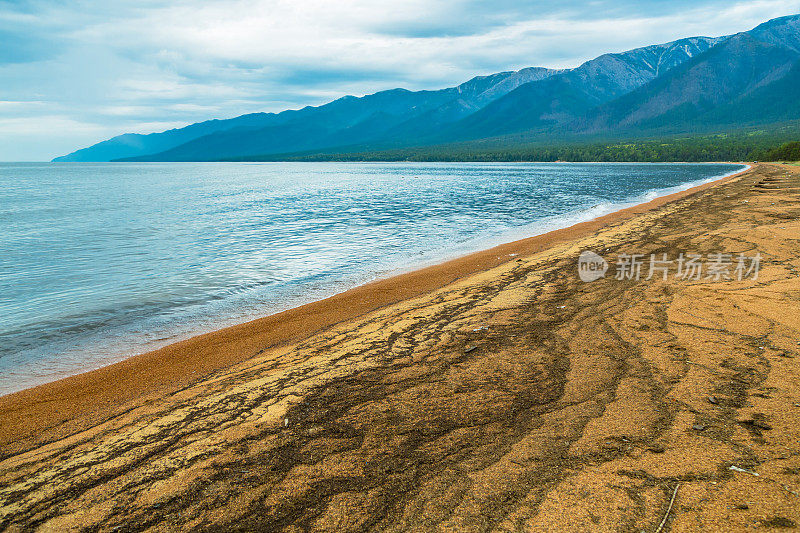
{"points": [[100, 261]]}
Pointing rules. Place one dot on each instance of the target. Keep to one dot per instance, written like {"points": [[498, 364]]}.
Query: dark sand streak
{"points": [[576, 408]]}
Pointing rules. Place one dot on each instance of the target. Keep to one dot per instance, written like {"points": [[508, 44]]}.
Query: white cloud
{"points": [[25, 138], [123, 65], [7, 106], [280, 35], [44, 124]]}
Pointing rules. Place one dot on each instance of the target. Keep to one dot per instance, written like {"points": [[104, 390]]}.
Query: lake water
{"points": [[100, 261]]}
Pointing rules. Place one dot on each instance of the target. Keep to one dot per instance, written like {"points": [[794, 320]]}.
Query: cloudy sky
{"points": [[76, 72]]}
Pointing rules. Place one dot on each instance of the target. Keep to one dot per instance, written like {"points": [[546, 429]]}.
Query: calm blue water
{"points": [[101, 261]]}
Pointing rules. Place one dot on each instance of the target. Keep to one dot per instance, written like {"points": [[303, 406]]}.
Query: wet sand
{"points": [[493, 392]]}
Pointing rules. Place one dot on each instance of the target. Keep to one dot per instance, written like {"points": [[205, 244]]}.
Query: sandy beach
{"points": [[494, 392]]}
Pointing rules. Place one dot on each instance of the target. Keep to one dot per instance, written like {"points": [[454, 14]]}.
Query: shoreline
{"points": [[98, 393], [113, 347], [506, 400]]}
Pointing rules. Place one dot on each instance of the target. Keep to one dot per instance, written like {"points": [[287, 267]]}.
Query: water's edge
{"points": [[478, 245]]}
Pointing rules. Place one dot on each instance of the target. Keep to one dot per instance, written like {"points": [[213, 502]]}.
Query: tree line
{"points": [[720, 147]]}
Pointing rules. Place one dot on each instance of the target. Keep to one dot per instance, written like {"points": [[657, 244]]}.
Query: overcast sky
{"points": [[76, 72]]}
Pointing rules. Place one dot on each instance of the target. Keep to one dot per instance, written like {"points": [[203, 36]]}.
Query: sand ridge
{"points": [[516, 398]]}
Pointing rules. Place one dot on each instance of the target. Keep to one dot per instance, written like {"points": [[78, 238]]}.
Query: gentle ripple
{"points": [[99, 261]]}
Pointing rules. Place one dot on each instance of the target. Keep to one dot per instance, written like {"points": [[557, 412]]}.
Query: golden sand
{"points": [[496, 392]]}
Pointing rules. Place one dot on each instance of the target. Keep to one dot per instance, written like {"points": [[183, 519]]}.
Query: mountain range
{"points": [[692, 85]]}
